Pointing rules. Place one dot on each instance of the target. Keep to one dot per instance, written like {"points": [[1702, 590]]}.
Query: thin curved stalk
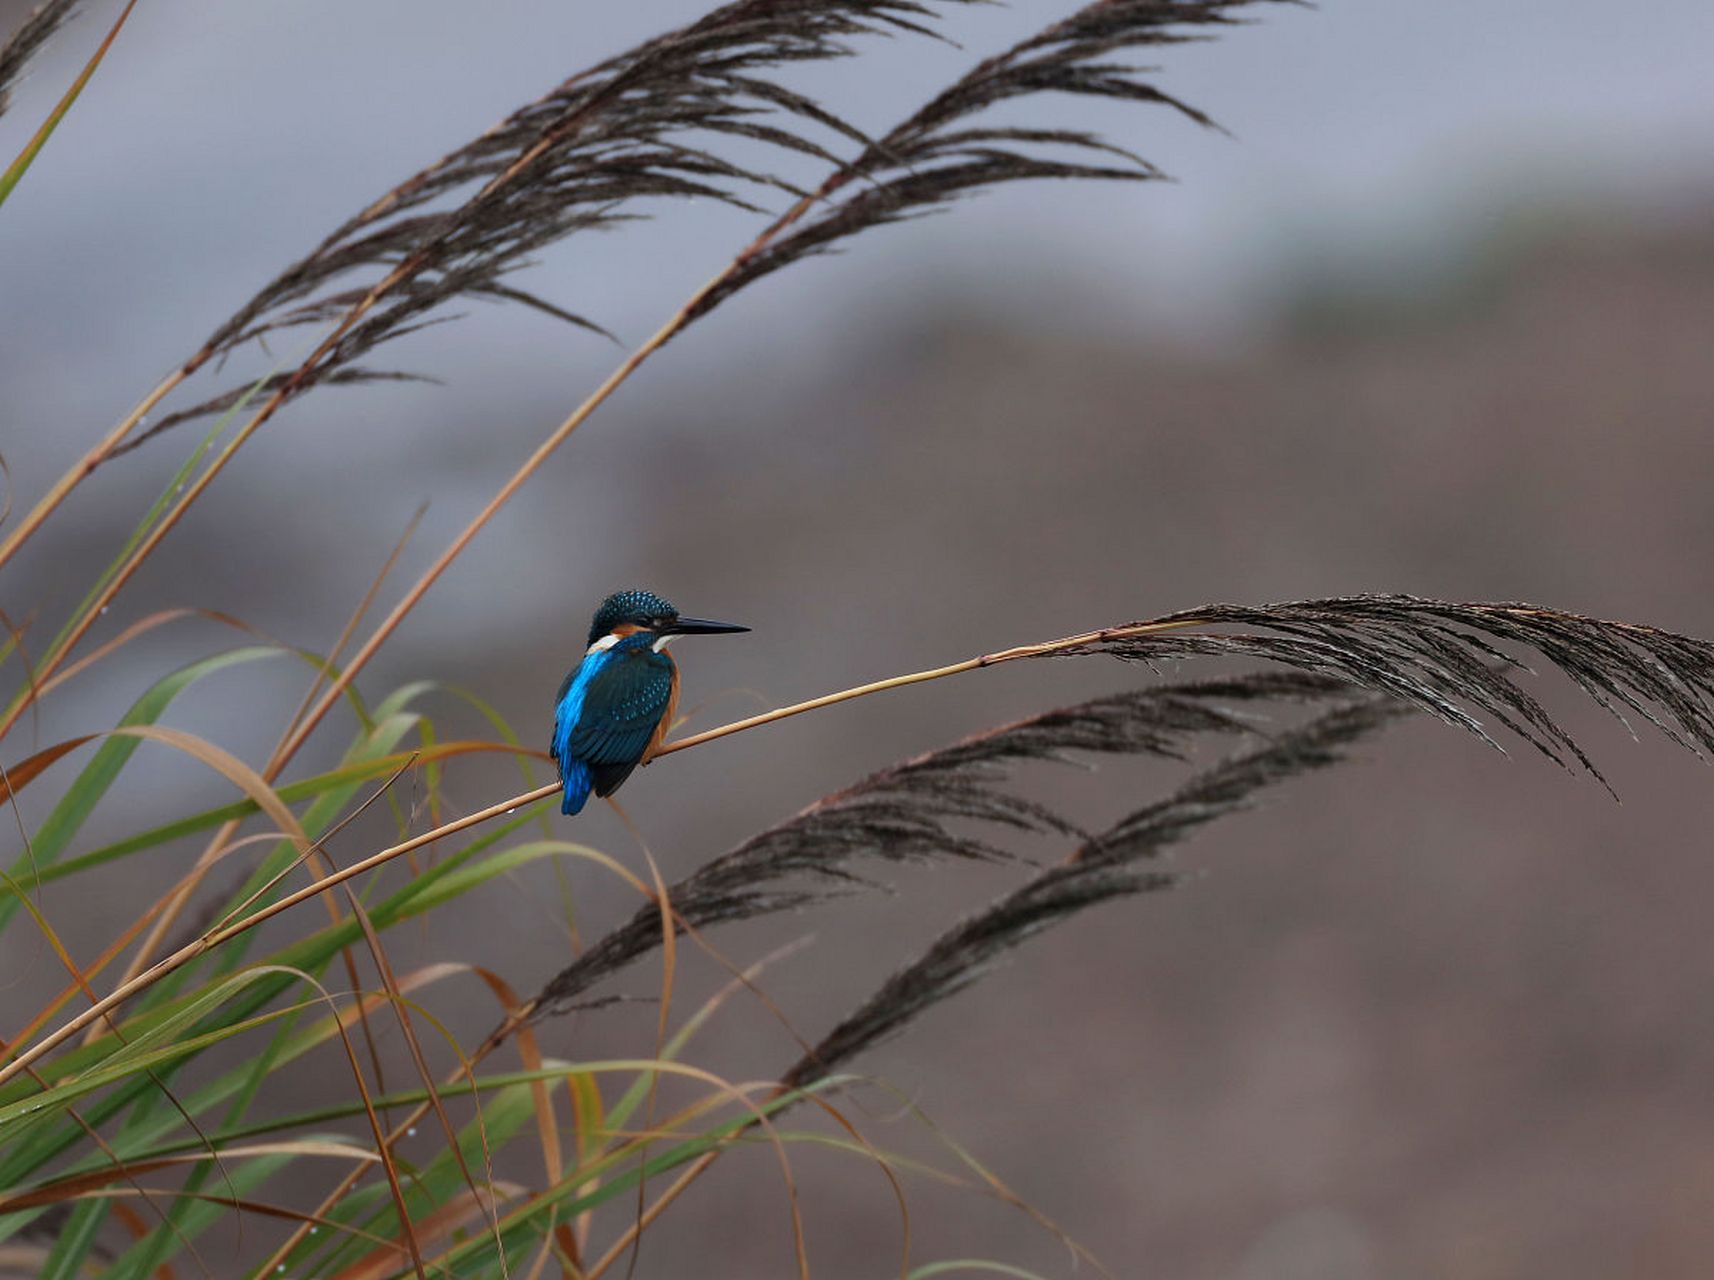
{"points": [[15, 171], [921, 677], [49, 502], [224, 933]]}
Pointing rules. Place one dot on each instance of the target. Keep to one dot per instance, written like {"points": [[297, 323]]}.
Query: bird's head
{"points": [[625, 613]]}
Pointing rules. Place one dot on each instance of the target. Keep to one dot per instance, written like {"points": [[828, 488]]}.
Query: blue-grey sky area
{"points": [[220, 139]]}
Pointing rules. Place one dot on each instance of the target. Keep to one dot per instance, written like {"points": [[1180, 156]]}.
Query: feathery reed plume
{"points": [[1438, 654], [235, 397], [580, 158], [1101, 869], [1430, 652], [27, 41], [941, 152], [577, 159], [901, 813]]}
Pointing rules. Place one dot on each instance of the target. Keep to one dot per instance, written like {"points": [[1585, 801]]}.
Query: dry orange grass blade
{"points": [[79, 979], [894, 1184], [589, 1125], [628, 1241], [584, 1089], [858, 1143], [15, 778], [339, 1023], [112, 951], [130, 933], [339, 1026]]}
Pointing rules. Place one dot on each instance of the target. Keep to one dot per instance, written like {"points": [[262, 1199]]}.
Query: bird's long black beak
{"points": [[699, 627]]}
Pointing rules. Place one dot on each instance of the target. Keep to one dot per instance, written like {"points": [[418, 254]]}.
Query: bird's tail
{"points": [[578, 781]]}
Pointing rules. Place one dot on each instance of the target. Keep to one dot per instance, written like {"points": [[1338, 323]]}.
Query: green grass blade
{"points": [[74, 1242], [75, 806], [16, 170]]}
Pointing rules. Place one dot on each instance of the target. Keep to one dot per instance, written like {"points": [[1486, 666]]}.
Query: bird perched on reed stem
{"points": [[614, 708]]}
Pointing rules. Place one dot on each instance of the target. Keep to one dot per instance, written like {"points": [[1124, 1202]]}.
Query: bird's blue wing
{"points": [[574, 774], [624, 704], [608, 710], [559, 721]]}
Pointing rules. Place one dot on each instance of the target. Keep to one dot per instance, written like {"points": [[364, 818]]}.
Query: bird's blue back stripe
{"points": [[566, 716], [570, 709]]}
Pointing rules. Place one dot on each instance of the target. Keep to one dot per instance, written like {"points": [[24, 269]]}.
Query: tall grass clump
{"points": [[139, 1105]]}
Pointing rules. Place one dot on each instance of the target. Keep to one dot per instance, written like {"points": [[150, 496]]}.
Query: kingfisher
{"points": [[615, 706]]}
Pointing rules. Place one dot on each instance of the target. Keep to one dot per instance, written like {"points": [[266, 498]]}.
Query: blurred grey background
{"points": [[1438, 318]]}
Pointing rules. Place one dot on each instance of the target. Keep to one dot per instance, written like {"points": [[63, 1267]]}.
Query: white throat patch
{"points": [[661, 642]]}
